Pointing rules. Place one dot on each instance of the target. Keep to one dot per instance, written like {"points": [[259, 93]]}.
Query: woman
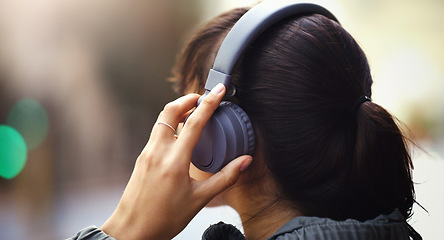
{"points": [[329, 163]]}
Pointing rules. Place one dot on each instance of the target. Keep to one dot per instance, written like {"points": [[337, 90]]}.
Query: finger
{"points": [[187, 114], [171, 115], [192, 130], [224, 179]]}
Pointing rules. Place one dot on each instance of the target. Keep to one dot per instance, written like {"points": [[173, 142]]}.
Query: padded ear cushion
{"points": [[227, 135]]}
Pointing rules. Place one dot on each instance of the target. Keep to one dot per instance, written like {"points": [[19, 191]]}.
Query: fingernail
{"points": [[245, 164], [217, 89]]}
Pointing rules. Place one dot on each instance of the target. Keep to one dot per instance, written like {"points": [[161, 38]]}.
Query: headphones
{"points": [[229, 132]]}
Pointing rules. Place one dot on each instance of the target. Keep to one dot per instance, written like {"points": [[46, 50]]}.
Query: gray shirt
{"points": [[383, 227]]}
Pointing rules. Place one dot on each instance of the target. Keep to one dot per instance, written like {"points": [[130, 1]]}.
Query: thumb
{"points": [[225, 178]]}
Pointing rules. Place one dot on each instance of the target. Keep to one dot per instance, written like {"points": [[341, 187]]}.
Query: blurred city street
{"points": [[83, 82]]}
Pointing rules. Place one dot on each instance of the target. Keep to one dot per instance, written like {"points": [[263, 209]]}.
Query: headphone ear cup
{"points": [[227, 135]]}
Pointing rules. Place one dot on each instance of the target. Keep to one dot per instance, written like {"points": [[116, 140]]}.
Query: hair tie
{"points": [[358, 103]]}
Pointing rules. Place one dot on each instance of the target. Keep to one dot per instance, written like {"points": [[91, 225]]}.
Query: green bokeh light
{"points": [[12, 152], [29, 118]]}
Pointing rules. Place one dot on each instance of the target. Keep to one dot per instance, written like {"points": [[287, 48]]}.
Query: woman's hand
{"points": [[161, 198]]}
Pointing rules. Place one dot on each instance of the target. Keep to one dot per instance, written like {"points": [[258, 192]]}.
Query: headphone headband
{"points": [[229, 133], [248, 28]]}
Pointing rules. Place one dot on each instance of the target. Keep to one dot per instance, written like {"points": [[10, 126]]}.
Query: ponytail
{"points": [[381, 161], [381, 171]]}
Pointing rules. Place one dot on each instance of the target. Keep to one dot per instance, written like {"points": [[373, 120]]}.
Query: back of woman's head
{"points": [[298, 82]]}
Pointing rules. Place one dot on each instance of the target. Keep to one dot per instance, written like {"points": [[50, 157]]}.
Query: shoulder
{"points": [[392, 226], [91, 233]]}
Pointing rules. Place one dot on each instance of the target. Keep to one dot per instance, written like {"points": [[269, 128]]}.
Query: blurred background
{"points": [[82, 82]]}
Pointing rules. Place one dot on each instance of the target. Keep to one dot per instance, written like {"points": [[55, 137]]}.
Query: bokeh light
{"points": [[12, 152], [29, 118]]}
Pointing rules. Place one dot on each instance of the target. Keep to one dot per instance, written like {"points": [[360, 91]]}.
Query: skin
{"points": [[255, 197], [166, 191], [161, 197]]}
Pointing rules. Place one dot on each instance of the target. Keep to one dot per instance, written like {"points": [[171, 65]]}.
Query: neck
{"points": [[261, 214], [266, 222]]}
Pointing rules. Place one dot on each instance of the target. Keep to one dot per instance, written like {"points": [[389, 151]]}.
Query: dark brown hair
{"points": [[196, 58], [298, 82]]}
